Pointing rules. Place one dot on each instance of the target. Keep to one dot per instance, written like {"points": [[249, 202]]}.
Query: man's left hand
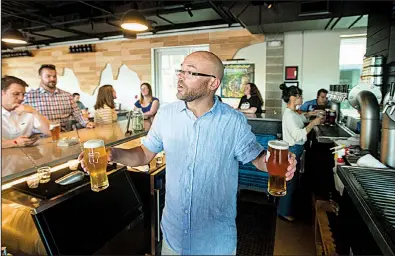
{"points": [[291, 167], [90, 125]]}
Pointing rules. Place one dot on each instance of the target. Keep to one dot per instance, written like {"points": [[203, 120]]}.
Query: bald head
{"points": [[211, 61]]}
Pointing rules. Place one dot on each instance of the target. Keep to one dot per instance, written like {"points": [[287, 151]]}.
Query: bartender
{"points": [[252, 101], [319, 103], [295, 133]]}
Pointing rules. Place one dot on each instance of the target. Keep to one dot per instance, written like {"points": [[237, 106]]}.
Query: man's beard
{"points": [[189, 95], [51, 85]]}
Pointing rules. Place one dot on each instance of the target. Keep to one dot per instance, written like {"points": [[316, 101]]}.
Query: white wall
{"points": [[256, 54], [316, 53]]}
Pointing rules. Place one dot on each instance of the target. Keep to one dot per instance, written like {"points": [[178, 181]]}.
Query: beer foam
{"points": [[52, 126], [278, 144], [94, 144]]}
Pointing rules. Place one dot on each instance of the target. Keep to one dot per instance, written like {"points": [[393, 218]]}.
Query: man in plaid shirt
{"points": [[52, 102]]}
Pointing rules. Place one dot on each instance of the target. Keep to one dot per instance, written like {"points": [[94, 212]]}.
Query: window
{"points": [[166, 61], [352, 52]]}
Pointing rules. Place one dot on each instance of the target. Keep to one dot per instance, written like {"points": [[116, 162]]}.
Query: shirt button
{"points": [[186, 211], [186, 231], [188, 190]]}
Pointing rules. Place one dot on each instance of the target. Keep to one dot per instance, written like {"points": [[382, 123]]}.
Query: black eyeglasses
{"points": [[190, 74]]}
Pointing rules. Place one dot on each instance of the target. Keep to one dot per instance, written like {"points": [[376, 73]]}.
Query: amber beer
{"points": [[277, 165], [55, 131], [95, 157]]}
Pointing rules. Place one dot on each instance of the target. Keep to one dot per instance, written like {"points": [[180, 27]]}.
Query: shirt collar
{"points": [[5, 112], [42, 90], [215, 108]]}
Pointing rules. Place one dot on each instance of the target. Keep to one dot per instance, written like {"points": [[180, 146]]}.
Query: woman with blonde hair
{"points": [[148, 104], [105, 105]]}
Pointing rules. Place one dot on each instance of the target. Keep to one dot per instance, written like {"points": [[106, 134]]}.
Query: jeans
{"points": [[166, 250], [285, 204]]}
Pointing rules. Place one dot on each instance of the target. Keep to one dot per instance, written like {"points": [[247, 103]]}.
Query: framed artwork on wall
{"points": [[291, 73], [236, 76]]}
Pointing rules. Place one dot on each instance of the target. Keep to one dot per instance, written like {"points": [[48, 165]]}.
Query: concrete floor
{"points": [[296, 238]]}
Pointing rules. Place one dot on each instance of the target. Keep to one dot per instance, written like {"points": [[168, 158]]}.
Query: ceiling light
{"points": [[133, 20], [13, 36]]}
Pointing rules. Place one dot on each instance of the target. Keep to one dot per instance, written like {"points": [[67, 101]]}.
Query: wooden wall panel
{"points": [[136, 54]]}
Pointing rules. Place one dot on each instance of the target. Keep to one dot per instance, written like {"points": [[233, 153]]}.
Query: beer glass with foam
{"points": [[95, 157], [55, 130], [277, 164]]}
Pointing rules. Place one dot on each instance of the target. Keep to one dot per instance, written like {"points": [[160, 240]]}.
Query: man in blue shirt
{"points": [[321, 100], [204, 139]]}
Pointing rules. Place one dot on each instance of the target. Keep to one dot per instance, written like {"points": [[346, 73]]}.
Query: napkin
{"points": [[369, 161]]}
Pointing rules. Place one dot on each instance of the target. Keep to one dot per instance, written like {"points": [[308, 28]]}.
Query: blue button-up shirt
{"points": [[202, 156]]}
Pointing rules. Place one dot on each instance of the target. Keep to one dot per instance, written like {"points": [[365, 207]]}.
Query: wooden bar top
{"points": [[15, 164]]}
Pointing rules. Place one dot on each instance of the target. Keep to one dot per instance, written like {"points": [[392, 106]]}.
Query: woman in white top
{"points": [[295, 133], [105, 106]]}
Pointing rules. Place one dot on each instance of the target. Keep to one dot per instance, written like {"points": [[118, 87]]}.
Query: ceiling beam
{"points": [[221, 13], [98, 8], [53, 26], [335, 23], [355, 21], [190, 25]]}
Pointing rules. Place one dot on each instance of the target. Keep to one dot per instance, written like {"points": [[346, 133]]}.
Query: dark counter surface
{"points": [[373, 193], [264, 117]]}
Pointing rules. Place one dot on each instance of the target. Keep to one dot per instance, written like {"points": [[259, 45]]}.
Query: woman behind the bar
{"points": [[105, 105], [252, 101], [148, 104], [295, 133]]}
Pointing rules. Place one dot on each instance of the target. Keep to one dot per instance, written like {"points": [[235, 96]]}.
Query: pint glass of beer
{"points": [[277, 165], [95, 157], [55, 130]]}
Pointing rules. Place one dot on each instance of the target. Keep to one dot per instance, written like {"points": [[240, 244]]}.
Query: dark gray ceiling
{"points": [[46, 22]]}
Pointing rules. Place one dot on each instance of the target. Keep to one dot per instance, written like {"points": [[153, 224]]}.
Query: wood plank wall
{"points": [[136, 54]]}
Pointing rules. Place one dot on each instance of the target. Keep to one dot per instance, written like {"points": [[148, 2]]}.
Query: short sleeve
{"points": [[255, 102], [241, 101], [305, 106], [247, 147], [137, 104], [154, 141]]}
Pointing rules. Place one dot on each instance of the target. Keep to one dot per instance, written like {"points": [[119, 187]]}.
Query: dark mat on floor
{"points": [[256, 226]]}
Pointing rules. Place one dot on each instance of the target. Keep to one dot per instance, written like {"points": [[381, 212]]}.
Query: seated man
{"points": [[319, 103], [54, 103], [76, 97], [18, 120]]}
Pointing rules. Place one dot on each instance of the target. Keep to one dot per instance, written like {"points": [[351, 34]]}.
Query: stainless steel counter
{"points": [[46, 153], [327, 134]]}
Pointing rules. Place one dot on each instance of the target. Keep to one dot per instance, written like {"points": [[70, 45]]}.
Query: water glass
{"points": [[33, 180]]}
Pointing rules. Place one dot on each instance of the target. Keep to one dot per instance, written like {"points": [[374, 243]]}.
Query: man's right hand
{"points": [[24, 141], [81, 159]]}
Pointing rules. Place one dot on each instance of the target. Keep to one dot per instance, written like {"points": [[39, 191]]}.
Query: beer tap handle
{"points": [[385, 109], [392, 90]]}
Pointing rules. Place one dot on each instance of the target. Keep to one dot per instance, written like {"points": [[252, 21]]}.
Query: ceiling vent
{"points": [[314, 8]]}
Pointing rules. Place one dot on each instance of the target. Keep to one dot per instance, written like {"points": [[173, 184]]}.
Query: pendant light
{"points": [[133, 20], [13, 36]]}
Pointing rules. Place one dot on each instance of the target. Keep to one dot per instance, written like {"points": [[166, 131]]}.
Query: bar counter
{"points": [[46, 153], [265, 123]]}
